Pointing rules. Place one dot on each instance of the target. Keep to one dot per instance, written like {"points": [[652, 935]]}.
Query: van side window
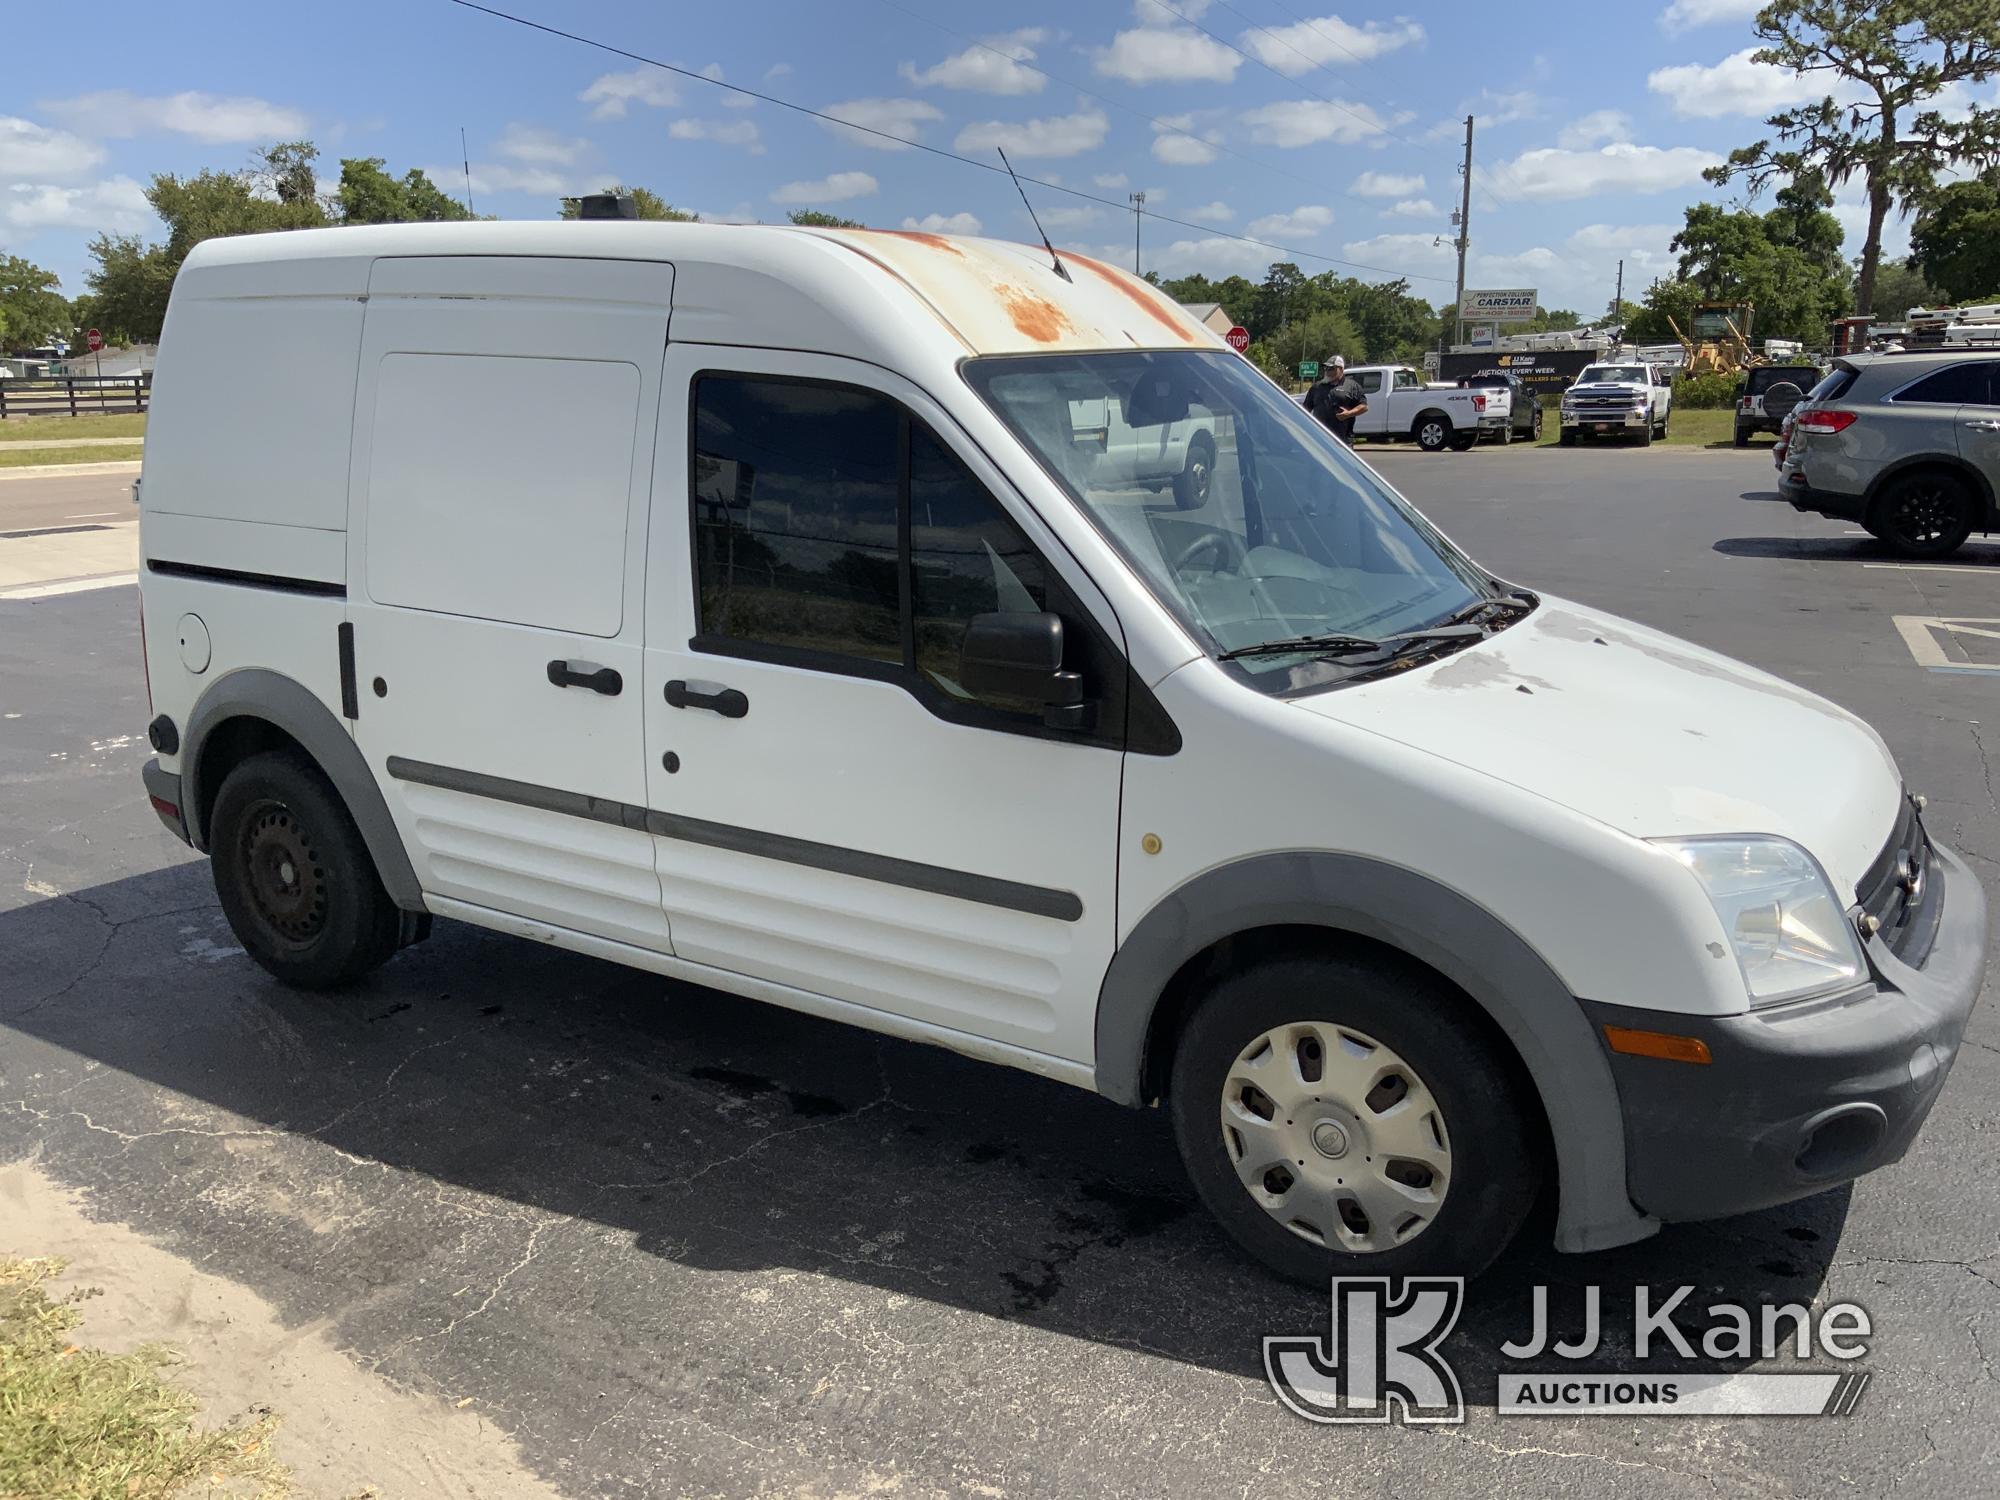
{"points": [[801, 493], [1955, 385]]}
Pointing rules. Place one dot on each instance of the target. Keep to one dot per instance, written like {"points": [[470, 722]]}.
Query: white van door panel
{"points": [[824, 827], [502, 459]]}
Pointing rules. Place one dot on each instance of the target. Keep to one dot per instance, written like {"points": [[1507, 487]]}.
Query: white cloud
{"points": [[1301, 223], [904, 119], [837, 188], [1217, 257], [1394, 252], [1629, 240], [1306, 122], [1110, 179], [1052, 136], [28, 150], [1683, 15], [1414, 208], [1176, 144], [532, 144], [509, 177], [1069, 215], [116, 205], [776, 71], [1738, 85], [1310, 44], [1167, 54], [992, 67], [1552, 174], [1505, 109], [1595, 128], [742, 133], [206, 117], [611, 93], [1217, 212], [958, 223], [729, 97], [1387, 185]]}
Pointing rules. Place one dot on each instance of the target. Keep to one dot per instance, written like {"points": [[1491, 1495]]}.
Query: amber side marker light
{"points": [[1660, 1044]]}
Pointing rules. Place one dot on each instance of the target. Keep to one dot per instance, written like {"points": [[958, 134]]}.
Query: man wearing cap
{"points": [[1343, 403]]}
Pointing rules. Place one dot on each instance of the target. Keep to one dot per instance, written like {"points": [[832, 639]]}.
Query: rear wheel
{"points": [[1196, 475], [294, 878], [1463, 442], [1342, 1117], [1535, 426], [1742, 437], [1432, 432], [1923, 515]]}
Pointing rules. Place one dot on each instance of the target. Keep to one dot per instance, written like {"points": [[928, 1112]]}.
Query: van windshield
{"points": [[1249, 520], [1626, 374]]}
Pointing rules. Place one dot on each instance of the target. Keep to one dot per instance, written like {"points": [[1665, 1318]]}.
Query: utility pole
{"points": [[1464, 220], [1618, 297], [1138, 208]]}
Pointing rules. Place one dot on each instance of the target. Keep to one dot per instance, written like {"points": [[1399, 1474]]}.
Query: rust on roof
{"points": [[1149, 301], [923, 237], [1033, 315]]}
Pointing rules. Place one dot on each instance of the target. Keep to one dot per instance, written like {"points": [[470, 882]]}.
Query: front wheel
{"points": [[1432, 432], [1568, 438], [1646, 436], [293, 876], [1343, 1117]]}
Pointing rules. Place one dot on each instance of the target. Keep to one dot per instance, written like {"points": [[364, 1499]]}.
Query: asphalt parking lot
{"points": [[672, 1242]]}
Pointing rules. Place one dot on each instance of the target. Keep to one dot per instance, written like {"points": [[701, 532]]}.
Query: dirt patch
{"points": [[344, 1433]]}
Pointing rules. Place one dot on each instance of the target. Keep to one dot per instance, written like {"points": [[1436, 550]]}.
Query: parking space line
{"points": [[1993, 572], [1920, 634], [68, 586]]}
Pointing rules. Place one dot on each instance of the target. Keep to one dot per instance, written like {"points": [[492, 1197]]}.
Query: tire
{"points": [[1191, 485], [1925, 515], [1432, 432], [1535, 426], [1568, 438], [1422, 1037], [1646, 436], [1464, 442], [1663, 425], [1781, 400], [1742, 437], [293, 876]]}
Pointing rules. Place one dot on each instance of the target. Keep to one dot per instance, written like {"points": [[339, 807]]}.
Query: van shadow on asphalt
{"points": [[719, 1133]]}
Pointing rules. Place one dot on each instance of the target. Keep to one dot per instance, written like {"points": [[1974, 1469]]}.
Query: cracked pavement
{"points": [[678, 1243]]}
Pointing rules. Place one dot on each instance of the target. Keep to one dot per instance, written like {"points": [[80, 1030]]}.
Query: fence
{"points": [[74, 395]]}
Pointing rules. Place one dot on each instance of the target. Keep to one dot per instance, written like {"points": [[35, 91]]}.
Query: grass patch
{"points": [[87, 1425], [130, 424], [1689, 428], [20, 458]]}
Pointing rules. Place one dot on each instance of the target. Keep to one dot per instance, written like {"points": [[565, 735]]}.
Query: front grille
{"points": [[1901, 889], [1617, 404]]}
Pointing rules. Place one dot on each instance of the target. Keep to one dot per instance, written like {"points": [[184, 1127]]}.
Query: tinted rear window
{"points": [[1954, 385], [1832, 386]]}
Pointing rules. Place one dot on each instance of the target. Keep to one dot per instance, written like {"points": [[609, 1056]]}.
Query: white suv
{"points": [[753, 606]]}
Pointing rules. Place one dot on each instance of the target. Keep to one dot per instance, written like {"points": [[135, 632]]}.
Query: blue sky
{"points": [[1334, 132]]}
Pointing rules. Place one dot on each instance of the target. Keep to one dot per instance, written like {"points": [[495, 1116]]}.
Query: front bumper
{"points": [[1606, 419], [1801, 1097]]}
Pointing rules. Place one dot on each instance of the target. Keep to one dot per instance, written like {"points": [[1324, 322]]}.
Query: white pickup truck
{"points": [[1181, 454], [1402, 406], [1623, 397]]}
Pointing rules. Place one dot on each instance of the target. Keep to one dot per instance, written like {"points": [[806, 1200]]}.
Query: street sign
{"points": [[1508, 305], [94, 339], [1238, 338], [1308, 369]]}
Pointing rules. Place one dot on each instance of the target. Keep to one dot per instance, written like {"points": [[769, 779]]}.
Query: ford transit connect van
{"points": [[756, 606]]}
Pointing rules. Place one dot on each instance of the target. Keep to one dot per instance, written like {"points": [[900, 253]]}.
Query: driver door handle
{"points": [[1988, 424], [568, 674], [729, 702]]}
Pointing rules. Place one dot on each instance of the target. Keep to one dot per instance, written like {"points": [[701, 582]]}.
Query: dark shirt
{"points": [[1346, 393]]}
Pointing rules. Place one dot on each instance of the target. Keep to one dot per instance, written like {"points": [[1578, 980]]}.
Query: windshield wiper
{"points": [[1510, 603], [1353, 645]]}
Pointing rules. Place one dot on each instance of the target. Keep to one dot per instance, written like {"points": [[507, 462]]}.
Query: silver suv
{"points": [[1908, 445]]}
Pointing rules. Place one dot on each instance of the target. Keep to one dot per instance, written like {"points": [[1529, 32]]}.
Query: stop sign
{"points": [[94, 339], [1238, 338]]}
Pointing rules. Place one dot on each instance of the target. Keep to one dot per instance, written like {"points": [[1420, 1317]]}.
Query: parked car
{"points": [[1619, 397], [745, 605], [1524, 408], [1784, 443], [1766, 395], [1907, 445], [1401, 407]]}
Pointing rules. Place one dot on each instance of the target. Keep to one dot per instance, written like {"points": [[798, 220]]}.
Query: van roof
{"points": [[989, 296]]}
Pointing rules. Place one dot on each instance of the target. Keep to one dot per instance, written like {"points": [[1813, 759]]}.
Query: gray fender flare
{"points": [[1435, 925], [256, 693]]}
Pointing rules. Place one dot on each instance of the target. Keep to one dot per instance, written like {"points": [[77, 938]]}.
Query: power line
{"points": [[1055, 187], [1153, 120]]}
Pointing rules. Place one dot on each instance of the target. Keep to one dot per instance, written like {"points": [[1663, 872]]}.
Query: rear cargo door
{"points": [[503, 442]]}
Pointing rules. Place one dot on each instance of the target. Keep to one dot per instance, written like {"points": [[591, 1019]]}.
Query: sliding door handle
{"points": [[728, 702], [605, 680]]}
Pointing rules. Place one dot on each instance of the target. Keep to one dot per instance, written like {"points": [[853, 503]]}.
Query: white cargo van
{"points": [[752, 605]]}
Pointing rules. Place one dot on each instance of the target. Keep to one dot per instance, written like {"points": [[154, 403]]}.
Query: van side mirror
{"points": [[1015, 656]]}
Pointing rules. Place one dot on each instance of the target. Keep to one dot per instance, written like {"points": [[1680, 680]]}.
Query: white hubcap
{"points": [[1336, 1137]]}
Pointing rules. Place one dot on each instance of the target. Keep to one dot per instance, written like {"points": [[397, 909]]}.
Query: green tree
{"points": [[285, 171], [369, 195], [1898, 57], [1955, 241], [32, 311], [1786, 262], [812, 218], [650, 204], [1900, 286], [129, 286]]}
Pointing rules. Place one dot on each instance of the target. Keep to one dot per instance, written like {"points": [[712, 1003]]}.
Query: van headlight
{"points": [[1789, 929]]}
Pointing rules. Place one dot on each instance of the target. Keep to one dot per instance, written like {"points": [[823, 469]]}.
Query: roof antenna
{"points": [[1054, 258]]}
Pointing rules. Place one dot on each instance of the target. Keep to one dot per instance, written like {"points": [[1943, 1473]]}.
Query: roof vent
{"points": [[607, 206]]}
